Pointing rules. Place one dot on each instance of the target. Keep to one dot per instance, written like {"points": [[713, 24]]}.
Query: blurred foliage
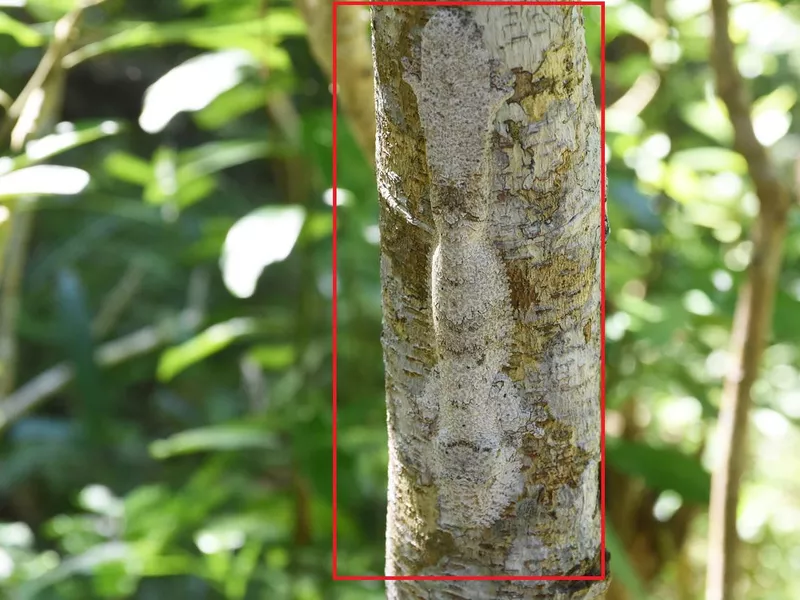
{"points": [[179, 280]]}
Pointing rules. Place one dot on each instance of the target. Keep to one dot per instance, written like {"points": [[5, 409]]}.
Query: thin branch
{"points": [[13, 252], [32, 115], [354, 65], [56, 378], [117, 300], [753, 317], [147, 339], [730, 87]]}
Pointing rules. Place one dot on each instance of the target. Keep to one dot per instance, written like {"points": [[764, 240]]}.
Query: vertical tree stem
{"points": [[752, 319]]}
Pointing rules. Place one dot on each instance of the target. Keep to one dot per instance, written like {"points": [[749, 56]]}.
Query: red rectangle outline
{"points": [[602, 576]]}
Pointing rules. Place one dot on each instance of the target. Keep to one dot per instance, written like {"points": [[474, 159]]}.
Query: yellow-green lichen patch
{"points": [[546, 197], [403, 177], [524, 85], [555, 461], [408, 248], [587, 331], [555, 79], [401, 137], [550, 292], [420, 511], [437, 545]]}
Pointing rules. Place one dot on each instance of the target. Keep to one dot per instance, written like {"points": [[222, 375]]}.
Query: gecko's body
{"points": [[476, 468]]}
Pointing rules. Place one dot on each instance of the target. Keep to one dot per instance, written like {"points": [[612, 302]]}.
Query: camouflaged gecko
{"points": [[476, 466]]}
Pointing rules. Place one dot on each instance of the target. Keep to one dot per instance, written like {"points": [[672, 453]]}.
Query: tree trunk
{"points": [[489, 169]]}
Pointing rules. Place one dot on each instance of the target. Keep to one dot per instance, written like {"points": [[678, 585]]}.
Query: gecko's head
{"points": [[459, 89]]}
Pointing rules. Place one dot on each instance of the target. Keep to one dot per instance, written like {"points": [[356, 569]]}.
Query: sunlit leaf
{"points": [[273, 357], [101, 500], [211, 542], [212, 340], [713, 159], [709, 118], [86, 562], [682, 183], [782, 98], [682, 10], [637, 21], [214, 438], [766, 26], [192, 86], [48, 10], [128, 167], [67, 137], [44, 179], [163, 186], [772, 114], [265, 236]]}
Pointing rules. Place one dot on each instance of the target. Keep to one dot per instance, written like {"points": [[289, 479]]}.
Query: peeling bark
{"points": [[488, 162]]}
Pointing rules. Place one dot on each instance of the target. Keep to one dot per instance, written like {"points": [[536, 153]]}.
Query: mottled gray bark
{"points": [[488, 161]]}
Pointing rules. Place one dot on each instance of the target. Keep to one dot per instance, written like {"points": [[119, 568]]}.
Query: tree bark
{"points": [[488, 163]]}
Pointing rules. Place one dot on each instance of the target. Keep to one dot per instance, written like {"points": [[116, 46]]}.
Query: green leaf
{"points": [[23, 34], [86, 562], [243, 569], [217, 156], [229, 105], [662, 468], [212, 340], [683, 183], [127, 167], [246, 35], [623, 571], [274, 357], [213, 438], [781, 99], [184, 179], [78, 345]]}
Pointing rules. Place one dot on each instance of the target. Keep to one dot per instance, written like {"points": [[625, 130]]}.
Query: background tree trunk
{"points": [[489, 168]]}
